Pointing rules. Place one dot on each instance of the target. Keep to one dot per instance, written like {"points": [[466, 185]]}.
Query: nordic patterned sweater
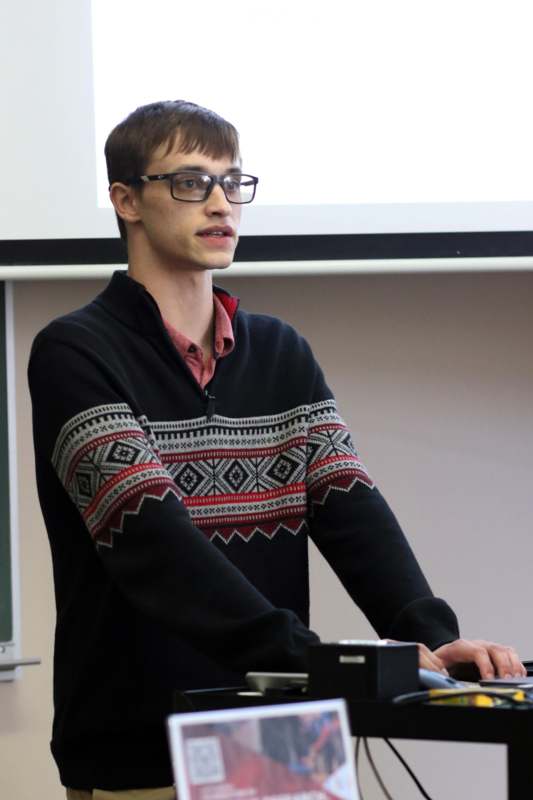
{"points": [[178, 521]]}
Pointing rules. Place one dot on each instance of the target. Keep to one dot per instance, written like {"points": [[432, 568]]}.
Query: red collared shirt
{"points": [[192, 354]]}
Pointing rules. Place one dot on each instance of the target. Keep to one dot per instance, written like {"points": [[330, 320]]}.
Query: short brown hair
{"points": [[131, 144]]}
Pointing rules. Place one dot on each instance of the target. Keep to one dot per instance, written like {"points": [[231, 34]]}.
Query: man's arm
{"points": [[360, 537]]}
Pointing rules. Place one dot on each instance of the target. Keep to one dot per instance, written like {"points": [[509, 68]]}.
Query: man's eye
{"points": [[189, 184], [232, 184]]}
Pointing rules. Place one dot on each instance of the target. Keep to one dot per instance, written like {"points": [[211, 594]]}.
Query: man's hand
{"points": [[491, 659]]}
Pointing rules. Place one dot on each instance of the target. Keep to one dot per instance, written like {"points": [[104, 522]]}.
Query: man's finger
{"points": [[506, 661], [429, 660], [483, 662]]}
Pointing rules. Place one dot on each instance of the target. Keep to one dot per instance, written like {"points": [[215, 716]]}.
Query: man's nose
{"points": [[217, 201]]}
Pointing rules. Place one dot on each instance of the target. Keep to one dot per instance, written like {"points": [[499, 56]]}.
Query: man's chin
{"points": [[221, 262], [224, 265], [218, 258]]}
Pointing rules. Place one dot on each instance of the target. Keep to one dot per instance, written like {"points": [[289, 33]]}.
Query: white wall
{"points": [[434, 376]]}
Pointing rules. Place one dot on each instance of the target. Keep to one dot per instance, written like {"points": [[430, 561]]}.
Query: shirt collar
{"points": [[223, 338]]}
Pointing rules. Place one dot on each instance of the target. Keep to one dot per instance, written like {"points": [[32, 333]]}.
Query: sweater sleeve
{"points": [[360, 537], [114, 483]]}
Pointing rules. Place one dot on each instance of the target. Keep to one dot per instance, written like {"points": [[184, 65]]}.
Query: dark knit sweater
{"points": [[178, 523]]}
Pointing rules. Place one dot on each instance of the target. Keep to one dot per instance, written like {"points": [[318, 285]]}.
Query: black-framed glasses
{"points": [[195, 187]]}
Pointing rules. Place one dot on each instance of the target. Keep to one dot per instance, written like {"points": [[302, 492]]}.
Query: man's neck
{"points": [[185, 300]]}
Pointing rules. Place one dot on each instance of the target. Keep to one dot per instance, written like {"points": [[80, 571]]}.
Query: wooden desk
{"points": [[512, 727]]}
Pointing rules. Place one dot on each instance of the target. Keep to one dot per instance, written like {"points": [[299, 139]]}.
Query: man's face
{"points": [[178, 234]]}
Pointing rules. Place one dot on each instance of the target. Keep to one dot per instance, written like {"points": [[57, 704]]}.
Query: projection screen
{"points": [[377, 129]]}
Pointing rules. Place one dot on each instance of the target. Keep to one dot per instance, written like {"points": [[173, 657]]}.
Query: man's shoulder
{"points": [[82, 328], [268, 325], [111, 309], [273, 343]]}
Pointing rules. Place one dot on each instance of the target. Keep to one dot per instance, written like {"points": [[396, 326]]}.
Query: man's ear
{"points": [[124, 199]]}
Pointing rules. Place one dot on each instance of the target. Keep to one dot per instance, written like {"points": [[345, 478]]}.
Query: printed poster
{"points": [[301, 755]]}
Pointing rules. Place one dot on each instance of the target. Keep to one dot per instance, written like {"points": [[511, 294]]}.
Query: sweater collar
{"points": [[132, 304]]}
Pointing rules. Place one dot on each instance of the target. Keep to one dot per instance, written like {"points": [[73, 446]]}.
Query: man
{"points": [[184, 451]]}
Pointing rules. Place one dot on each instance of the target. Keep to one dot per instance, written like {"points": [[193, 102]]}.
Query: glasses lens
{"points": [[239, 188], [190, 186]]}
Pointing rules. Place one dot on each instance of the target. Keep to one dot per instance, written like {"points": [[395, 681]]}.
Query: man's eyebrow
{"points": [[235, 170]]}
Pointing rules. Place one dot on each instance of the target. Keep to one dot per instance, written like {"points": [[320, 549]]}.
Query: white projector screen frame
{"points": [[51, 206]]}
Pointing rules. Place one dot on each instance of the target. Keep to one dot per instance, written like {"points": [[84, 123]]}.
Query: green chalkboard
{"points": [[6, 608]]}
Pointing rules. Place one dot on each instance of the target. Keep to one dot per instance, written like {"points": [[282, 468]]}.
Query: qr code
{"points": [[204, 760]]}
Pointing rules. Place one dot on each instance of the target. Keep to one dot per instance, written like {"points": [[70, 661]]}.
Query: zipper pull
{"points": [[211, 400]]}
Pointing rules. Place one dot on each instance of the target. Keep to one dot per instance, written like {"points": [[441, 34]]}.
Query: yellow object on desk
{"points": [[476, 696]]}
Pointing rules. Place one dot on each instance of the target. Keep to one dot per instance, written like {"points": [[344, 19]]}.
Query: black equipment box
{"points": [[363, 670]]}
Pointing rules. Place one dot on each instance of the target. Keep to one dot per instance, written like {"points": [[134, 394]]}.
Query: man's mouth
{"points": [[218, 232]]}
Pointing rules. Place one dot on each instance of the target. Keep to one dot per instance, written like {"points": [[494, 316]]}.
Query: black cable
{"points": [[375, 771], [408, 768], [357, 748]]}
